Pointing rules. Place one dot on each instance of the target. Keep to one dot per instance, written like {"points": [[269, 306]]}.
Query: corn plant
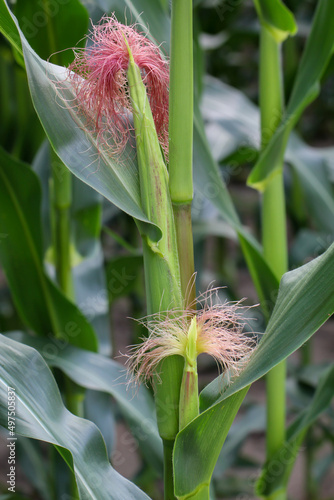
{"points": [[122, 121]]}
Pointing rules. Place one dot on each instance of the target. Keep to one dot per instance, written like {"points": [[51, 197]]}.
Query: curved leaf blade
{"points": [[52, 94], [41, 305], [196, 454], [221, 103], [304, 303], [311, 166], [274, 478], [40, 414], [9, 30], [99, 373], [233, 132], [315, 58]]}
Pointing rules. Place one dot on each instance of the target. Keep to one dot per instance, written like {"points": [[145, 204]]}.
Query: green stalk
{"points": [[181, 137], [274, 225], [180, 163], [168, 446], [61, 205]]}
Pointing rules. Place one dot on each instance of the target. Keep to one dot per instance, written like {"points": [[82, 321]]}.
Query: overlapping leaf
{"points": [[41, 305], [233, 125], [99, 373], [304, 303], [274, 478], [210, 185], [40, 414], [53, 97], [315, 58]]}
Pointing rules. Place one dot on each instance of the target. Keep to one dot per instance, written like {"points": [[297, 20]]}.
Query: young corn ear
{"points": [[122, 73], [215, 329], [189, 404], [161, 263], [162, 270]]}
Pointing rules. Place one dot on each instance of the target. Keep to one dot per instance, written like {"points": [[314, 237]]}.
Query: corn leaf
{"points": [[317, 53], [87, 259], [99, 373], [52, 27], [41, 305], [116, 180], [274, 477], [305, 301], [233, 129], [277, 18], [40, 414], [9, 30], [312, 168], [210, 185]]}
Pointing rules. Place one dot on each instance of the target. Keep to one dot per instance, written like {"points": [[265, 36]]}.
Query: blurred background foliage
{"points": [[107, 245]]}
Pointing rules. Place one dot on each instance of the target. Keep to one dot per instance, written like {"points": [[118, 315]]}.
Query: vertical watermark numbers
{"points": [[11, 439]]}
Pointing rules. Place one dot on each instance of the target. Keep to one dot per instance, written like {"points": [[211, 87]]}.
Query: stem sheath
{"points": [[181, 138]]}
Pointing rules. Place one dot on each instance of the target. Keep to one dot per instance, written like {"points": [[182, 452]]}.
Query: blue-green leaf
{"points": [[41, 305], [40, 414]]}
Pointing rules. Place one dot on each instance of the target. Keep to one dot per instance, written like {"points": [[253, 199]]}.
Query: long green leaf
{"points": [[233, 126], [310, 164], [40, 414], [196, 453], [274, 478], [41, 305], [99, 373], [210, 185], [52, 95], [306, 87], [9, 30], [87, 259], [304, 303], [53, 27]]}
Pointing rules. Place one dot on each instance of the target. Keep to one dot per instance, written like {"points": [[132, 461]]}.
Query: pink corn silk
{"points": [[102, 89], [220, 334]]}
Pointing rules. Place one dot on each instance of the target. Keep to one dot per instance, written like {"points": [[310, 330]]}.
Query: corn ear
{"points": [[161, 263]]}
